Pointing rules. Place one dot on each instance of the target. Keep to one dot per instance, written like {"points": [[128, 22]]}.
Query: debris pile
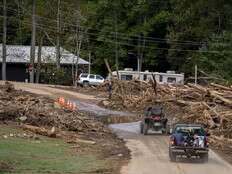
{"points": [[38, 115], [40, 111], [129, 94], [210, 105]]}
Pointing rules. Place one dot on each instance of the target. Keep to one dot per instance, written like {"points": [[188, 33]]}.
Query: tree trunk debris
{"points": [[209, 105]]}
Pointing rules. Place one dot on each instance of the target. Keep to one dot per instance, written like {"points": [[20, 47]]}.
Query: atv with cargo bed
{"points": [[155, 120], [189, 140]]}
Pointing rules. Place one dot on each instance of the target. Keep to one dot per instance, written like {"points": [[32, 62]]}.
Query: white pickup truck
{"points": [[90, 79]]}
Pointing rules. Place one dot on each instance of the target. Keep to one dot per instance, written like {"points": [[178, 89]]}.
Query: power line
{"points": [[134, 37], [171, 49], [123, 43], [130, 38], [158, 40], [122, 38]]}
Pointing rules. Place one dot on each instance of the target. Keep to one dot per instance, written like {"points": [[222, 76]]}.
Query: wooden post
{"points": [[4, 40], [108, 67], [195, 74]]}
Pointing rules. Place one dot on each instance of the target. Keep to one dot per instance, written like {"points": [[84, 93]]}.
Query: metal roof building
{"points": [[18, 61], [21, 54]]}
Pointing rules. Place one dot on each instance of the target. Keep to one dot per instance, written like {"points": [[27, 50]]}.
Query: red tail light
{"points": [[172, 141], [206, 141], [156, 118]]}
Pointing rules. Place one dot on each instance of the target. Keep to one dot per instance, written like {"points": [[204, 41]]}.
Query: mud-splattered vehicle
{"points": [[154, 119], [189, 140]]}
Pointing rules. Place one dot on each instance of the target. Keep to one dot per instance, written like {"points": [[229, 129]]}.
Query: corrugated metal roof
{"points": [[21, 54]]}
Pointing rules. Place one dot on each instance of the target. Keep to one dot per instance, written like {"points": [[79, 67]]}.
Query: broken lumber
{"points": [[40, 131], [220, 86], [227, 101], [81, 141], [108, 67]]}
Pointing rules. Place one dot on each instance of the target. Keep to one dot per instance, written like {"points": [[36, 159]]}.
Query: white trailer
{"points": [[170, 77]]}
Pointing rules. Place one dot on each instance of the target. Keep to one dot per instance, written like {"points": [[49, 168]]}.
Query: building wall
{"points": [[15, 72], [18, 72]]}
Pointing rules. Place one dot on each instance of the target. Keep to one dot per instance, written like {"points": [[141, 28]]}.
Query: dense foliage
{"points": [[170, 34]]}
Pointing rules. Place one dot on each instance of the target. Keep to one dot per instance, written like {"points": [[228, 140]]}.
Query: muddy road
{"points": [[85, 103], [150, 155]]}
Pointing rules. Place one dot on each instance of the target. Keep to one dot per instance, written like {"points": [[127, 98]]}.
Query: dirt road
{"points": [[86, 103], [50, 90], [150, 155]]}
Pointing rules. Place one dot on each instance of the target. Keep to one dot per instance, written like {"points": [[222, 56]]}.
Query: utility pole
{"points": [[38, 68], [139, 56], [78, 40], [142, 54], [58, 36], [116, 41], [20, 22], [4, 40], [89, 69], [89, 62], [33, 38], [73, 74], [143, 45]]}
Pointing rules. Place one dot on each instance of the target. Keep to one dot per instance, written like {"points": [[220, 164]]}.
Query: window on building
{"points": [[92, 76], [161, 78], [171, 80], [126, 77]]}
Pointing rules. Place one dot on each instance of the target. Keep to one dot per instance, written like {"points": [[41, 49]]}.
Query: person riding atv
{"points": [[154, 119]]}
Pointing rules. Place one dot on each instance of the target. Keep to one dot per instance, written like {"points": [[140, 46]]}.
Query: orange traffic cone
{"points": [[62, 102], [67, 104], [74, 106], [70, 106], [59, 100]]}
